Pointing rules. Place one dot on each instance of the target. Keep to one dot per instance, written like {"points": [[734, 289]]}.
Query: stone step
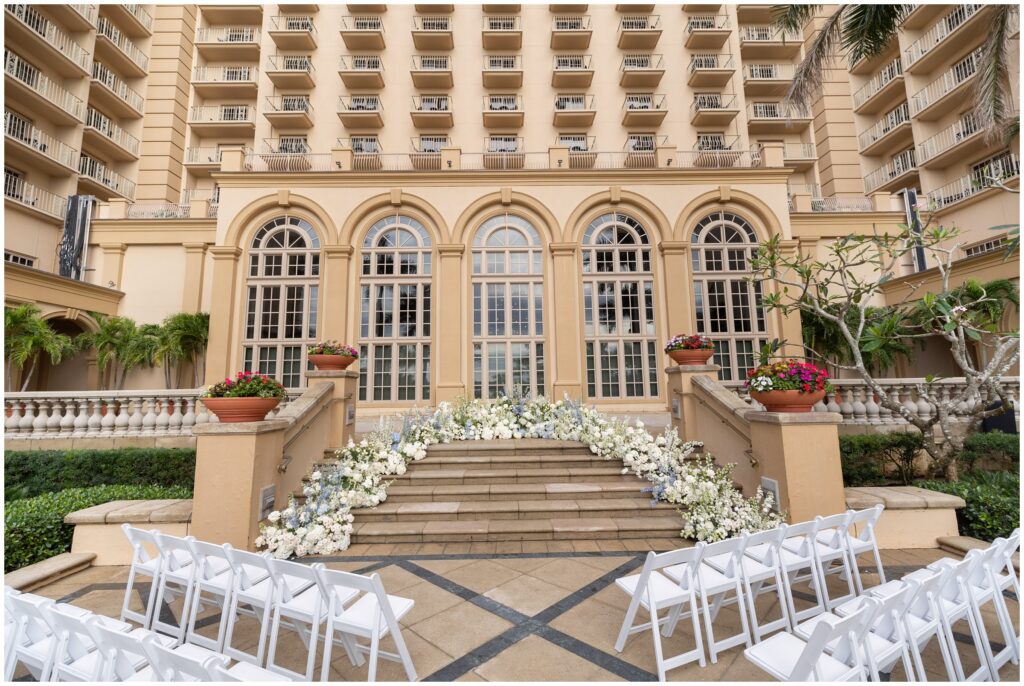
{"points": [[419, 493], [518, 461], [512, 509], [453, 477]]}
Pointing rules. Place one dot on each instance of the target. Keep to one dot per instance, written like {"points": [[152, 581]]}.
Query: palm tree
{"points": [[864, 31], [186, 336], [880, 349], [121, 345], [27, 337]]}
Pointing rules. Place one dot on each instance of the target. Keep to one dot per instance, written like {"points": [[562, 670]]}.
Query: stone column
{"points": [[342, 403], [448, 350], [681, 399], [192, 289], [223, 314], [563, 321], [678, 291], [334, 295]]}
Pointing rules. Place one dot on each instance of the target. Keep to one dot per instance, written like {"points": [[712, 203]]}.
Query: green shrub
{"points": [[994, 451], [34, 528], [993, 502], [869, 459], [31, 473]]}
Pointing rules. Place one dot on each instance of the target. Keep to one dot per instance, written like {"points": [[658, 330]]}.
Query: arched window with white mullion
{"points": [[508, 308], [281, 299], [394, 311], [618, 309], [728, 305]]}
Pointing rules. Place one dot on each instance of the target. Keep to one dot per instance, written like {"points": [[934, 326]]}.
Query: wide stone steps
{"points": [[419, 475], [418, 493], [472, 510]]}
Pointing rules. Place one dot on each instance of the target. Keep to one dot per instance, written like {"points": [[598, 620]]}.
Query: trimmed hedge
{"points": [[993, 502], [869, 459], [34, 528], [31, 473], [992, 451]]}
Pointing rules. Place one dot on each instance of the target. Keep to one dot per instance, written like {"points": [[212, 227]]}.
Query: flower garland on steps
{"points": [[712, 508]]}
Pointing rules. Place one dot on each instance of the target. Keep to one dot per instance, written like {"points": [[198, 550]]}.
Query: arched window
{"points": [[618, 309], [282, 294], [508, 308], [394, 311], [728, 307]]}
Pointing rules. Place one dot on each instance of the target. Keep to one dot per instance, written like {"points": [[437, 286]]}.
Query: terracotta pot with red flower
{"points": [[690, 349], [788, 385], [246, 398], [331, 355]]}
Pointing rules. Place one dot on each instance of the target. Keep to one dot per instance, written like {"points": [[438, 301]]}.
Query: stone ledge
{"points": [[901, 498], [134, 512], [961, 545], [49, 570]]}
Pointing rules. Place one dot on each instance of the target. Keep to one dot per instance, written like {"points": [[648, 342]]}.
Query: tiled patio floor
{"points": [[546, 613]]}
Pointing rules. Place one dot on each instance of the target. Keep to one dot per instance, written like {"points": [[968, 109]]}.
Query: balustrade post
{"points": [[95, 416], [82, 420], [188, 419], [39, 423], [27, 418], [109, 415], [67, 422], [135, 416], [55, 418], [163, 419], [148, 416], [174, 420], [13, 419], [122, 418]]}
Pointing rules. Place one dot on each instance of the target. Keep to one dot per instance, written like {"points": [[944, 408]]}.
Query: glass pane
{"points": [[383, 308], [609, 369], [271, 309], [521, 367], [294, 303], [519, 311], [591, 387], [540, 369], [495, 309], [425, 357], [496, 370], [631, 320], [382, 372], [606, 314], [740, 306], [718, 316], [291, 366], [407, 310], [538, 309], [407, 372]]}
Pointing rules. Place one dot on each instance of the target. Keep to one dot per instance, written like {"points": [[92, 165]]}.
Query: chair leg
{"points": [[982, 643], [627, 623], [325, 669], [658, 657], [314, 639], [403, 651], [858, 584], [878, 561], [275, 630], [708, 627]]}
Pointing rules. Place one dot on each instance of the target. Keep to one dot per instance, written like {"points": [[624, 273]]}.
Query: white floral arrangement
{"points": [[702, 491]]}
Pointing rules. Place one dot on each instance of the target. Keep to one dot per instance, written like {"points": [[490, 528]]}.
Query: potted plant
{"points": [[246, 398], [690, 349], [788, 385], [332, 355]]}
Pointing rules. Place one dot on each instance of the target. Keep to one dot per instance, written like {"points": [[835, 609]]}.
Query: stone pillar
{"points": [[117, 208], [787, 327], [882, 201], [449, 355], [773, 154], [232, 159], [563, 316], [342, 159], [113, 264], [342, 403], [801, 452], [558, 158], [451, 159], [681, 399], [666, 156], [198, 209], [334, 309], [678, 287], [192, 288], [223, 313], [802, 202]]}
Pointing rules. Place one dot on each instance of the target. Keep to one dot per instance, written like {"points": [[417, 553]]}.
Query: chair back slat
{"points": [[122, 652], [280, 568], [142, 542], [204, 553], [174, 666], [240, 560], [167, 545], [733, 547]]}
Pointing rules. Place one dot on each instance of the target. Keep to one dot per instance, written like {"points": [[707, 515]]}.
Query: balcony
{"points": [[134, 19], [900, 172], [432, 71], [571, 32], [432, 112], [713, 109], [568, 9], [35, 148], [574, 110], [426, 156], [707, 32], [503, 111], [710, 70], [769, 42], [945, 38], [700, 9], [108, 139], [225, 82], [305, 8], [111, 91], [361, 71], [433, 9], [32, 33], [639, 32], [799, 156], [286, 146], [772, 117], [501, 153], [572, 71], [963, 140], [644, 9], [432, 32], [95, 178], [641, 151], [503, 71], [250, 15], [223, 120], [883, 90], [115, 49], [921, 16], [366, 153], [870, 65], [228, 43], [767, 79], [499, 9], [948, 91], [25, 196], [380, 9], [363, 33], [891, 132], [641, 71], [502, 32], [76, 18], [200, 161], [32, 91], [714, 151], [645, 110], [288, 111], [293, 32], [291, 71], [360, 111], [980, 183], [754, 14]]}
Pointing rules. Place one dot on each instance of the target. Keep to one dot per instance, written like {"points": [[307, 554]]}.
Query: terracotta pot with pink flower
{"points": [[331, 355], [788, 385], [690, 349], [246, 398]]}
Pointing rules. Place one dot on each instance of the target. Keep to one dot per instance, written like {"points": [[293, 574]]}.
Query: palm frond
{"points": [[992, 88], [870, 29], [793, 17], [810, 74]]}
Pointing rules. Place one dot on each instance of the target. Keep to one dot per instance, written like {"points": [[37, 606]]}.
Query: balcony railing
{"points": [[939, 32], [295, 64], [564, 63], [431, 63], [892, 119], [141, 14], [953, 77], [879, 81], [101, 73], [643, 101], [503, 103], [288, 144], [769, 72], [240, 74], [710, 62], [962, 129], [899, 165], [23, 130], [27, 74], [798, 151], [89, 12], [203, 155], [359, 103], [98, 172], [432, 23], [503, 63], [842, 204], [223, 114], [367, 63], [711, 102], [158, 210], [575, 22], [369, 24], [574, 101], [641, 62], [775, 110], [122, 42], [288, 162], [228, 34], [711, 22], [498, 23], [768, 34], [640, 22], [51, 33], [24, 193], [292, 23], [431, 103], [997, 170], [115, 133]]}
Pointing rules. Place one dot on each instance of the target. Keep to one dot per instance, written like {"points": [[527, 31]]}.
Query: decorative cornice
{"points": [[26, 284], [451, 249], [563, 248], [674, 247], [334, 251], [225, 252]]}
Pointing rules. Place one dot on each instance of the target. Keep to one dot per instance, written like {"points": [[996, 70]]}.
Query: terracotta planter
{"points": [[691, 357], [230, 410], [331, 362], [787, 401]]}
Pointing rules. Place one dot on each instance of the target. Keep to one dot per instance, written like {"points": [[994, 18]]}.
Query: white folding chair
{"points": [[955, 602], [794, 558], [125, 658], [831, 548], [299, 604], [245, 671], [862, 541], [170, 664], [984, 586], [786, 657], [76, 657], [713, 586], [177, 578], [374, 616], [653, 591], [146, 562], [35, 642], [252, 594], [1007, 574], [10, 626], [214, 581]]}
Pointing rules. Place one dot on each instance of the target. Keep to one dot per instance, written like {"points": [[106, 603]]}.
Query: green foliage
{"points": [[184, 337], [868, 459], [973, 304], [34, 528], [27, 337], [993, 502], [31, 473], [991, 451], [883, 339]]}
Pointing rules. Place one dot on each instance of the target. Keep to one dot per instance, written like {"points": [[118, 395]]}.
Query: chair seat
{"points": [[303, 605], [257, 593], [199, 653], [824, 549], [858, 545], [710, 580], [879, 646], [166, 641], [665, 593], [145, 674], [887, 589], [181, 558], [221, 583], [245, 671], [754, 570], [778, 654], [359, 617], [40, 650]]}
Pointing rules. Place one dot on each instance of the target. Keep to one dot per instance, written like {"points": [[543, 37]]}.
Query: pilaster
{"points": [[565, 323], [449, 351]]}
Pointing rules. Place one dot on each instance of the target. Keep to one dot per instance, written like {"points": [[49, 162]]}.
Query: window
{"points": [[508, 309], [618, 309], [576, 142], [711, 141], [295, 103], [432, 143], [728, 307], [281, 299], [640, 142], [503, 144], [296, 144], [365, 144], [394, 311], [15, 258]]}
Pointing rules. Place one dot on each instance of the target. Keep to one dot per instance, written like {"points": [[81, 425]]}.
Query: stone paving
{"points": [[541, 611]]}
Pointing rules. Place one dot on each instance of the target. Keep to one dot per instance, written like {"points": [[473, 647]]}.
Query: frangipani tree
{"points": [[845, 289]]}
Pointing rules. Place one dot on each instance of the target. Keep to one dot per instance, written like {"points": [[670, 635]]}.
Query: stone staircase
{"points": [[516, 490]]}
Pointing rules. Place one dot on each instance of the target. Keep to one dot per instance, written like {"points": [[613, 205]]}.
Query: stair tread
{"points": [[499, 526], [556, 505], [542, 487]]}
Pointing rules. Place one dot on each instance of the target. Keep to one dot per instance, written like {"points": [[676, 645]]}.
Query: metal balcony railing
{"points": [[222, 113], [716, 141], [292, 23], [574, 101], [953, 77], [962, 129], [642, 61], [203, 155], [115, 133], [899, 165], [359, 103], [123, 43], [24, 193], [98, 172], [574, 22], [27, 74], [496, 23], [572, 63], [503, 63], [289, 103], [640, 22], [431, 63], [431, 103], [939, 32], [432, 23], [704, 102], [21, 129], [644, 142], [769, 72], [879, 81], [708, 22], [768, 34], [228, 34], [89, 12], [503, 103], [297, 64], [101, 73], [998, 169], [369, 24], [158, 210], [798, 151], [51, 33], [711, 61], [237, 74], [293, 145], [141, 14], [643, 102], [775, 110], [370, 63], [893, 118]]}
